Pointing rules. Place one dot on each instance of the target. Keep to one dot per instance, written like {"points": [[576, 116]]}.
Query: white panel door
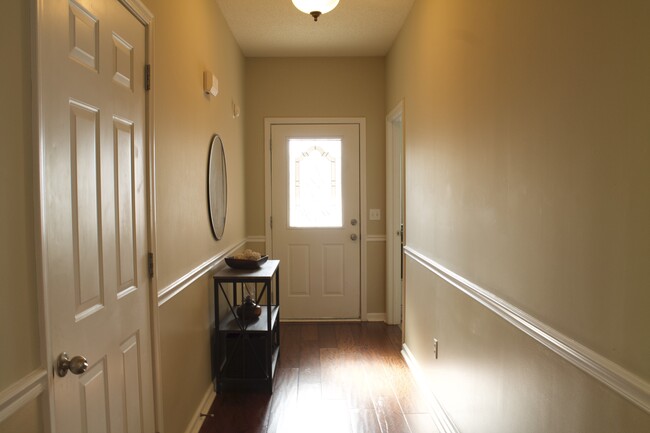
{"points": [[94, 213], [316, 224]]}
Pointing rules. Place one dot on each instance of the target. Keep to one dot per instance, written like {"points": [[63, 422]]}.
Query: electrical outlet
{"points": [[435, 348]]}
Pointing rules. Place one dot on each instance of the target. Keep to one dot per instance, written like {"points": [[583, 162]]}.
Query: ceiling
{"points": [[275, 28]]}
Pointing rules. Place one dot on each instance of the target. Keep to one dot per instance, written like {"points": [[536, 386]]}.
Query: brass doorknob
{"points": [[76, 365]]}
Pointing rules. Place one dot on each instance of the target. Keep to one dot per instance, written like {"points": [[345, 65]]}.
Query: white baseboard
{"points": [[197, 420], [440, 417], [325, 320], [376, 317]]}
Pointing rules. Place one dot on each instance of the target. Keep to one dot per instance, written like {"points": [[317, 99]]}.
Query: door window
{"points": [[315, 183]]}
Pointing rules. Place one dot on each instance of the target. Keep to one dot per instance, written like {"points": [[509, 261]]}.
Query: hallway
{"points": [[332, 377]]}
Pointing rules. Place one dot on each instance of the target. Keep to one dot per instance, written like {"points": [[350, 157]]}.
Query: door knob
{"points": [[76, 365], [354, 221], [353, 236]]}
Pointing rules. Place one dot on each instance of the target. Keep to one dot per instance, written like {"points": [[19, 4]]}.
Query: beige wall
{"points": [[491, 377], [527, 173], [19, 319], [191, 37], [376, 276], [318, 87], [27, 419]]}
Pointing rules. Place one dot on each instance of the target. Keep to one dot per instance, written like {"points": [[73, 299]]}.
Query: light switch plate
{"points": [[375, 214]]}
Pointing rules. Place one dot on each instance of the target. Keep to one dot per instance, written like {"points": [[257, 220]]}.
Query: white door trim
{"points": [[144, 15], [394, 293], [361, 121], [39, 227]]}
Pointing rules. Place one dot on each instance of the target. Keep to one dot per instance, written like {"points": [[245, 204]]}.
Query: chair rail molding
{"points": [[256, 239], [624, 382], [375, 238], [186, 280], [21, 392]]}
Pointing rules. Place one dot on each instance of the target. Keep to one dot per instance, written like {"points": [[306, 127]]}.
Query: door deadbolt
{"points": [[353, 236], [354, 221]]}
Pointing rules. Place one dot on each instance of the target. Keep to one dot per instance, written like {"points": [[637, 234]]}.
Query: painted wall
{"points": [[319, 87], [191, 37], [528, 173], [27, 419], [19, 318]]}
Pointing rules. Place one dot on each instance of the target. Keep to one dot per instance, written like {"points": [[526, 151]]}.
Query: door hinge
{"points": [[147, 77], [271, 221], [150, 264]]}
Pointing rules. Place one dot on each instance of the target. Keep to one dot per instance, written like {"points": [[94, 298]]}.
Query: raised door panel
{"points": [[85, 204], [83, 34], [132, 368], [93, 386], [123, 59], [125, 208], [299, 282], [334, 270]]}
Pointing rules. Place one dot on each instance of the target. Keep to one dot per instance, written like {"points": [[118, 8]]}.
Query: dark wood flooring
{"points": [[331, 378]]}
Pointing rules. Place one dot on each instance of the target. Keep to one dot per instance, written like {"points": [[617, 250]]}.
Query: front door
{"points": [[94, 214], [315, 219]]}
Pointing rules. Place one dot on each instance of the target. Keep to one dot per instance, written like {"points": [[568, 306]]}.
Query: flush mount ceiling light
{"points": [[315, 8]]}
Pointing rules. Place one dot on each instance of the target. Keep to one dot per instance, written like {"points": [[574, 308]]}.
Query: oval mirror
{"points": [[217, 187]]}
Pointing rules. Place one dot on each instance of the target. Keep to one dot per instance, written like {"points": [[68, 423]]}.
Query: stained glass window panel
{"points": [[315, 183]]}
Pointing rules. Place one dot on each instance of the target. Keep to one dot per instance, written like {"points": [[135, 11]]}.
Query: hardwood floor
{"points": [[331, 378]]}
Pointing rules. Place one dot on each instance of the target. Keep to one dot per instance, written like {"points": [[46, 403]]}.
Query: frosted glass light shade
{"points": [[309, 6]]}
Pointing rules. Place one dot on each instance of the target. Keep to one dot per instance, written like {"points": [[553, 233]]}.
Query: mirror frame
{"points": [[217, 187]]}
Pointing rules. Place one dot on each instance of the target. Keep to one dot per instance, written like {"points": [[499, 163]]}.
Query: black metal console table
{"points": [[245, 352]]}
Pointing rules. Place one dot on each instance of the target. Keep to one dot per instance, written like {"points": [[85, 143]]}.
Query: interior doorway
{"points": [[395, 215]]}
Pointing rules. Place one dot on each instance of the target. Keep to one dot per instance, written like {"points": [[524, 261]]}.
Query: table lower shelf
{"points": [[247, 375]]}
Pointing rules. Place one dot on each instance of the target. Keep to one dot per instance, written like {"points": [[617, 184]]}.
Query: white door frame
{"points": [[144, 15], [394, 190], [361, 121]]}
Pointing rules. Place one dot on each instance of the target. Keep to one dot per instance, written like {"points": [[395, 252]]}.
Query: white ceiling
{"points": [[275, 28]]}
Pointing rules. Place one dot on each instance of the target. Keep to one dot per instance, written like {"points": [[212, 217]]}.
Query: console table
{"points": [[245, 352]]}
